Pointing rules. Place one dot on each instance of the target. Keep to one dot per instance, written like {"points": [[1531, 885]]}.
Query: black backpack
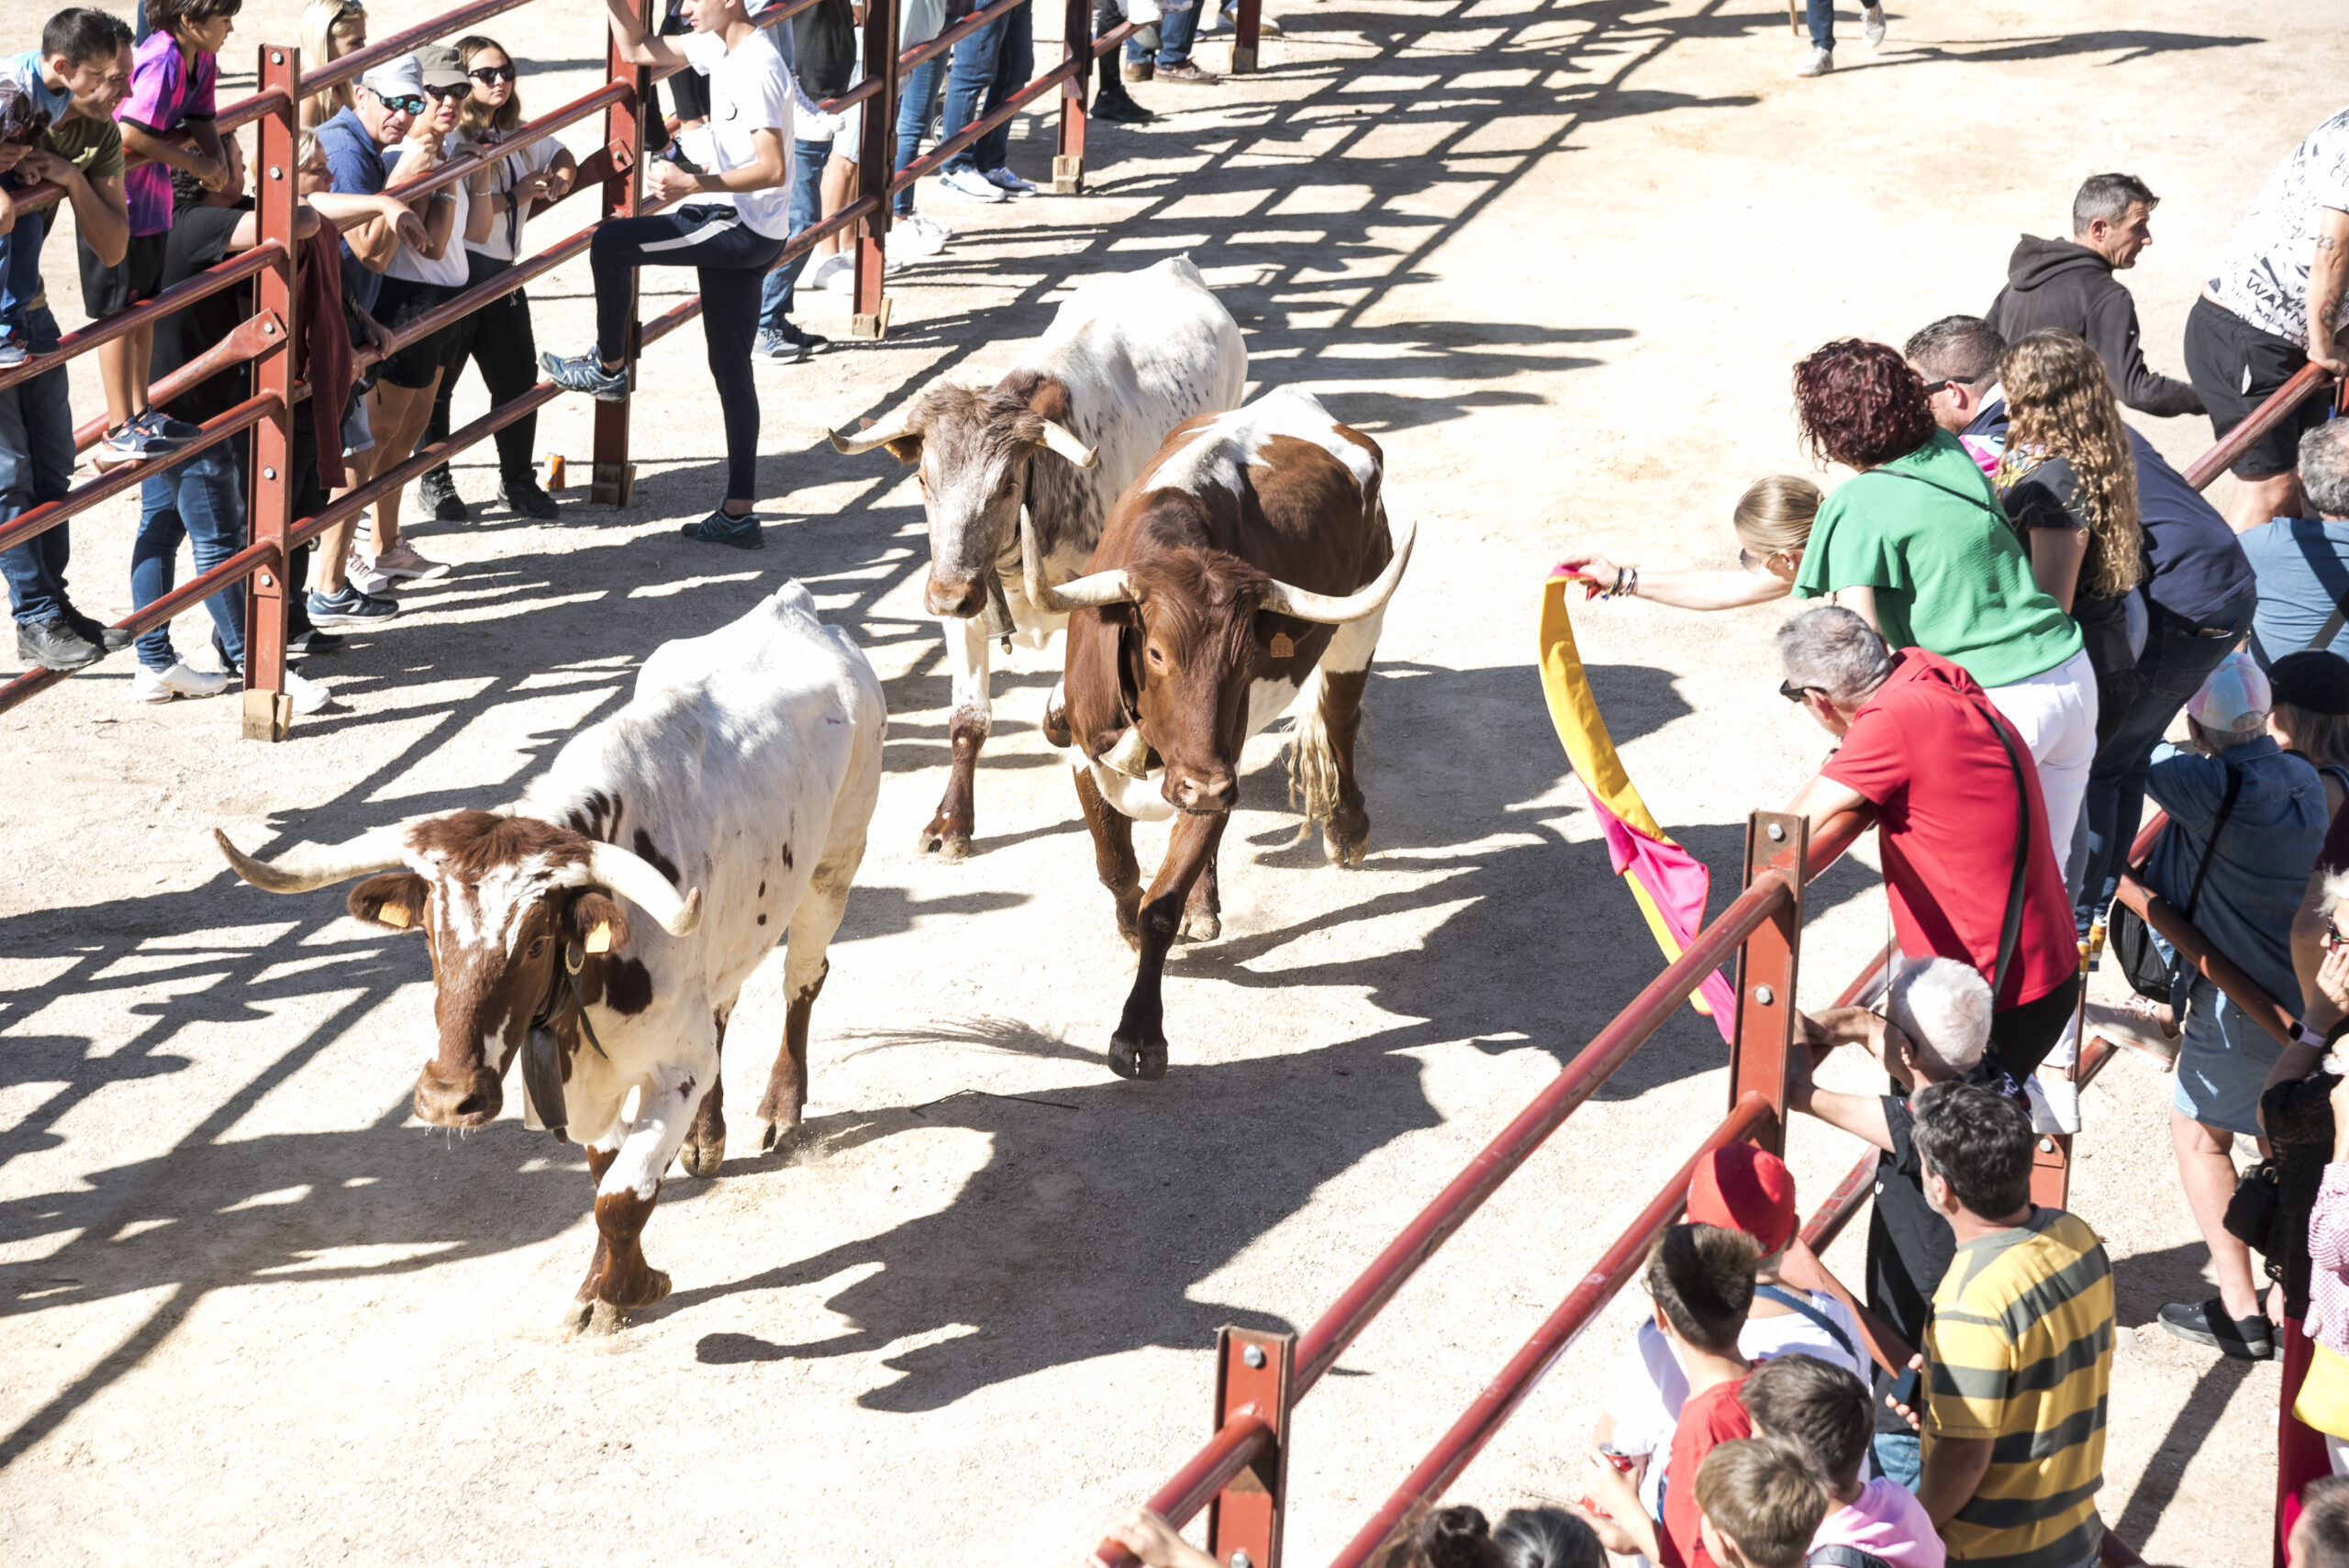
{"points": [[823, 44]]}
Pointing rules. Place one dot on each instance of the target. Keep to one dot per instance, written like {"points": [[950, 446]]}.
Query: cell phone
{"points": [[1906, 1388]]}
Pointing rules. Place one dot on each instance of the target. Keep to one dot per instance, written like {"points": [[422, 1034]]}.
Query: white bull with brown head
{"points": [[602, 929], [1054, 442]]}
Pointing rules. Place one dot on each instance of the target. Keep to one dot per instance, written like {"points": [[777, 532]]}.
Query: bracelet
{"points": [[1627, 583]]}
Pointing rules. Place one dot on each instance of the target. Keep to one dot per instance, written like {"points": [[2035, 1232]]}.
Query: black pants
{"points": [[498, 339], [2020, 1037], [730, 260]]}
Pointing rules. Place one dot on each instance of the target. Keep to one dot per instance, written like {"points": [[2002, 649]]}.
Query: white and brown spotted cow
{"points": [[1245, 573], [744, 771], [1127, 358]]}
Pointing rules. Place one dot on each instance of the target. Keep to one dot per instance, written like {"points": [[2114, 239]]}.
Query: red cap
{"points": [[1740, 1187]]}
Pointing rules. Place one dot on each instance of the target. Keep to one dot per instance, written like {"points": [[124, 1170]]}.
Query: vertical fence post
{"points": [[613, 480], [876, 168], [1245, 1521], [268, 711], [1076, 43], [1244, 31], [1762, 1044]]}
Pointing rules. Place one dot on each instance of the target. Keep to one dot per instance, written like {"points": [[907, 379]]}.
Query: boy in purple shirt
{"points": [[171, 79], [1822, 1412]]}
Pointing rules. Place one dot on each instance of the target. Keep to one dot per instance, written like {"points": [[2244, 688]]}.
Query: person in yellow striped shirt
{"points": [[2019, 1352]]}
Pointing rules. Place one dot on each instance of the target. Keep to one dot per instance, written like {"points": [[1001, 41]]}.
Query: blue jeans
{"points": [[806, 208], [19, 272], [202, 502], [2174, 664], [1175, 30], [971, 82], [36, 465], [1901, 1458], [914, 110], [1013, 65]]}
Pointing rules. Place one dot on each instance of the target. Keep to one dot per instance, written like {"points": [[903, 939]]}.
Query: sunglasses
{"points": [[486, 73], [442, 94], [405, 103], [2332, 936], [1793, 693], [1934, 386]]}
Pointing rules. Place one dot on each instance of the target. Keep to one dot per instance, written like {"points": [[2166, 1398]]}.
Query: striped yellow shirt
{"points": [[2020, 1351]]}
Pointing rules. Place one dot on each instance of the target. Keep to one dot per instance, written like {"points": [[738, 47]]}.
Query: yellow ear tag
{"points": [[1282, 648], [394, 914], [600, 939]]}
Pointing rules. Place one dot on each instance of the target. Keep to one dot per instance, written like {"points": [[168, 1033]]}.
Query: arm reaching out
{"points": [[640, 47]]}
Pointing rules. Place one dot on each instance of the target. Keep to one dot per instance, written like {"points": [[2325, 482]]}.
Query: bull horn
{"points": [[852, 443], [1336, 609], [636, 880], [303, 870], [1084, 593], [1062, 440]]}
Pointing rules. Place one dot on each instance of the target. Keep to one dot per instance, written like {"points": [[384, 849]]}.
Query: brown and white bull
{"points": [[1127, 358], [743, 771], [1246, 572]]}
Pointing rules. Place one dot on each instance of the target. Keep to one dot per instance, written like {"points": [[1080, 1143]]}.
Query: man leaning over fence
{"points": [[86, 59]]}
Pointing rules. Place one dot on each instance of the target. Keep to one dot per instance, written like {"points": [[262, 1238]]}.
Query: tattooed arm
{"points": [[2328, 288]]}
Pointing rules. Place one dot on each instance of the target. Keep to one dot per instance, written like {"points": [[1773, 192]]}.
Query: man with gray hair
{"points": [[2068, 283], [1961, 823], [2303, 562]]}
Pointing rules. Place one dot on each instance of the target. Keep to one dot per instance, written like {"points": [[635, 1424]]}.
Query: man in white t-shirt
{"points": [[2273, 305], [733, 223]]}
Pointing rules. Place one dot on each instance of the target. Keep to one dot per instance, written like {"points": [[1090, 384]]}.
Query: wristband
{"points": [[2306, 1036]]}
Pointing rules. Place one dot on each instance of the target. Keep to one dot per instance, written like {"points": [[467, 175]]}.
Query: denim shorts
{"points": [[2222, 1063]]}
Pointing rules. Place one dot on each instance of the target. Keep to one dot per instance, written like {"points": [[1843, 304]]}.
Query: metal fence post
{"points": [[1762, 1044], [269, 712], [1076, 42], [1245, 33], [876, 167], [1245, 1521], [613, 478]]}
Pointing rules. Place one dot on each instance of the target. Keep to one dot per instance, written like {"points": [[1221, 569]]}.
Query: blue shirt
{"points": [[2200, 574], [2266, 851], [24, 70], [357, 165], [2303, 569]]}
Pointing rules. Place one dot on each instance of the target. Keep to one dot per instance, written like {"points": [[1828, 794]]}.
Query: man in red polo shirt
{"points": [[1956, 796]]}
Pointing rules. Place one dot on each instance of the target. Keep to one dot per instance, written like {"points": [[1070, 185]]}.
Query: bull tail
{"points": [[1313, 776]]}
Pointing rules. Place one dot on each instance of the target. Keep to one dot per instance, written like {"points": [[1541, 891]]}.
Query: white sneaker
{"points": [[826, 273], [1817, 61], [1872, 26], [360, 573], [179, 680], [913, 236], [972, 184], [308, 695]]}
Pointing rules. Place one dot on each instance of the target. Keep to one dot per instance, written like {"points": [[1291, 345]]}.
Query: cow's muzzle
{"points": [[962, 600], [1209, 792], [471, 1098]]}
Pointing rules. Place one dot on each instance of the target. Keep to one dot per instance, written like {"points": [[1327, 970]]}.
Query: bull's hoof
{"points": [[701, 1159], [603, 1319], [1345, 846], [1201, 927], [952, 848], [778, 1137], [647, 1289], [1138, 1059]]}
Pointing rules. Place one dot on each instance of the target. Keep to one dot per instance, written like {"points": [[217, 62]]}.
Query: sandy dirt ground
{"points": [[1557, 258]]}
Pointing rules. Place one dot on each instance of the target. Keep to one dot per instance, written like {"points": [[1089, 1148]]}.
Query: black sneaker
{"points": [[55, 644], [1119, 109], [806, 342], [161, 424], [311, 643], [2245, 1339], [524, 496], [112, 639], [437, 491], [349, 610], [741, 532]]}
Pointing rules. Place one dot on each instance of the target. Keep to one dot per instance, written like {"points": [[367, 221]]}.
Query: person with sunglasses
{"points": [[498, 338]]}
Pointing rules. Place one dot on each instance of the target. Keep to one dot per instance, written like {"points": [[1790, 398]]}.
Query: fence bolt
{"points": [[1254, 1356], [269, 328], [1241, 1560], [1764, 994], [1778, 832], [269, 474], [2047, 1146], [275, 172], [276, 58], [267, 581]]}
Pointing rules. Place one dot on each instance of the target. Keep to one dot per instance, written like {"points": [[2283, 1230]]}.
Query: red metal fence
{"points": [[615, 170]]}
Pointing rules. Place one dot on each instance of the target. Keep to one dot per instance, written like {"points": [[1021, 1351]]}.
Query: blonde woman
{"points": [[330, 29], [1773, 521], [2070, 484]]}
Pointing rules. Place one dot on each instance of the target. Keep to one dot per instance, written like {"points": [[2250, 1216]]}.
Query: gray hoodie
{"points": [[2059, 282]]}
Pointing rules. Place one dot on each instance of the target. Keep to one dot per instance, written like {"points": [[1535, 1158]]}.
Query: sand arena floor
{"points": [[1557, 258]]}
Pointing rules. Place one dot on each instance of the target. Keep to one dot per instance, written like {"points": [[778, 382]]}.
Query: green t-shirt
{"points": [[94, 146], [1927, 533]]}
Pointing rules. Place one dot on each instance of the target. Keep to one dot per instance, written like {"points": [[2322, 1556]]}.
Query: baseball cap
{"points": [[2234, 700], [2316, 679], [442, 67], [401, 78], [1740, 1187]]}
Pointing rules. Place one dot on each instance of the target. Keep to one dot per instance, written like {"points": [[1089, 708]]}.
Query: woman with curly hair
{"points": [[2070, 484], [1919, 546]]}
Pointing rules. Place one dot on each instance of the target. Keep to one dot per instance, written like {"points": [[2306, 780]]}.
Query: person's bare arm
{"points": [[638, 47], [480, 212], [169, 149], [2328, 289], [1156, 1541], [1861, 602], [670, 182], [1953, 1471], [1683, 590], [100, 213], [2055, 558], [1611, 1490], [1862, 1116], [439, 223], [555, 181], [1823, 798], [247, 234]]}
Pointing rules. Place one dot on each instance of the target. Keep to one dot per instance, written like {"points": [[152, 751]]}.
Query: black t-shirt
{"points": [[1909, 1246], [199, 241], [2048, 497]]}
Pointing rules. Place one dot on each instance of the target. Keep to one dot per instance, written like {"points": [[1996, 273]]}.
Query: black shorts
{"points": [[136, 278], [401, 302], [2235, 367], [2021, 1035]]}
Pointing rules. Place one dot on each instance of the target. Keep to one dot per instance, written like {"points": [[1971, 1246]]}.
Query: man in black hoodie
{"points": [[2069, 283]]}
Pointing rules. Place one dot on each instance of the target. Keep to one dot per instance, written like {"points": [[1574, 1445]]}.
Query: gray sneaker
{"points": [[586, 373], [1816, 61], [1872, 26]]}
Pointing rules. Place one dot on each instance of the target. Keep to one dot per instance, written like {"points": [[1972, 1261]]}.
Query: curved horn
{"points": [[1062, 440], [302, 870], [851, 444], [634, 879], [1336, 609], [1084, 593]]}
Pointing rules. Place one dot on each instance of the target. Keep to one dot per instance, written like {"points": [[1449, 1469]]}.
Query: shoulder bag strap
{"points": [[1834, 1330], [2226, 809], [2010, 928]]}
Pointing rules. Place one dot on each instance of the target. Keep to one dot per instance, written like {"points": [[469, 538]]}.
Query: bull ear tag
{"points": [[600, 939], [1281, 647], [393, 915]]}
